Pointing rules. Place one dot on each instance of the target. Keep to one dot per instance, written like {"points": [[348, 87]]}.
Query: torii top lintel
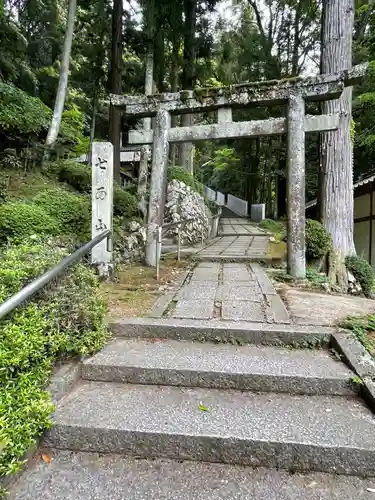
{"points": [[316, 88]]}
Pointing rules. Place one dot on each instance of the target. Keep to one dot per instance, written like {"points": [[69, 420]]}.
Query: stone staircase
{"points": [[199, 401], [169, 413]]}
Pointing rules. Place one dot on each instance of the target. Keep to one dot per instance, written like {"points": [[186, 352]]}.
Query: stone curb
{"points": [[354, 353], [162, 302], [274, 383], [240, 258], [63, 380], [222, 331], [291, 456], [264, 235], [360, 361]]}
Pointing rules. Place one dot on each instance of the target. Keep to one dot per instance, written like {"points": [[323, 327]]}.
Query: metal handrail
{"points": [[43, 280], [178, 224]]}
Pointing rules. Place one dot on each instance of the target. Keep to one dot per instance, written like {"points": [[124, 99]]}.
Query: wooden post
{"points": [[296, 187], [102, 203], [160, 149]]}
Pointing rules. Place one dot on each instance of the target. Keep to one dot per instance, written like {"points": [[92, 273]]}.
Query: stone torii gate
{"points": [[292, 92]]}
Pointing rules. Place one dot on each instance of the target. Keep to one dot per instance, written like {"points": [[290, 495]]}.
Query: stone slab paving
{"points": [[238, 239], [239, 226], [229, 292], [234, 247], [91, 476]]}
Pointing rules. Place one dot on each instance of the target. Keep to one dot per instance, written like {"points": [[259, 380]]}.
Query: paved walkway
{"points": [[177, 391], [239, 226], [225, 291], [239, 239]]}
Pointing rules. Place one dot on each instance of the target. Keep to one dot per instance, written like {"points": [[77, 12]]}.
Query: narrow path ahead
{"points": [[210, 376], [229, 292], [238, 240]]}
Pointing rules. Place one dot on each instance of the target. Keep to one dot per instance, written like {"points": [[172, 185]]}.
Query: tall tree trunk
{"points": [[54, 128], [174, 88], [296, 40], [92, 127], [269, 207], [101, 54], [160, 59], [190, 7], [115, 86], [337, 150], [363, 20]]}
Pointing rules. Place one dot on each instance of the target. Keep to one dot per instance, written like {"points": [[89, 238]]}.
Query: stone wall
{"points": [[182, 203], [130, 243], [185, 203]]}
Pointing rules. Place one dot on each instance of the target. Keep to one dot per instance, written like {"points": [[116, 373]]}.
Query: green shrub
{"points": [[363, 328], [20, 113], [318, 240], [362, 271], [124, 203], [19, 220], [65, 318], [77, 175], [276, 227], [71, 211], [181, 175]]}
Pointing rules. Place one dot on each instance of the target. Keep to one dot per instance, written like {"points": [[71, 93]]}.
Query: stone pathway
{"points": [[225, 291], [239, 226], [235, 248], [217, 372], [239, 240]]}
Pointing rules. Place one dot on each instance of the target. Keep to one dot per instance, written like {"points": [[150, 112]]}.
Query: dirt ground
{"points": [[309, 308], [135, 288]]}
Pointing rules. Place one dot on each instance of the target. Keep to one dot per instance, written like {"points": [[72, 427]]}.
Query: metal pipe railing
{"points": [[178, 225], [43, 280]]}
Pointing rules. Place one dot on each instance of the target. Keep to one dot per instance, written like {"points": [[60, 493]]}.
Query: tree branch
{"points": [[258, 17]]}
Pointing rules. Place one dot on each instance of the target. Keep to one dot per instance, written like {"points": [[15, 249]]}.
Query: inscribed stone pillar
{"points": [[160, 150], [102, 203], [296, 186]]}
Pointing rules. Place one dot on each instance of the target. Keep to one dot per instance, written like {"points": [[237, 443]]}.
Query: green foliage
{"points": [[71, 211], [72, 124], [124, 203], [363, 328], [315, 277], [19, 220], [277, 228], [181, 175], [318, 240], [77, 175], [362, 271], [223, 173], [67, 318], [3, 188], [10, 160], [21, 113]]}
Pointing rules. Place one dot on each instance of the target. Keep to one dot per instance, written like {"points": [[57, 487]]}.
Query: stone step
{"points": [[299, 433], [89, 476], [195, 364], [225, 331]]}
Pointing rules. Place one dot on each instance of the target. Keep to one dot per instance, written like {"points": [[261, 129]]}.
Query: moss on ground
{"points": [[363, 329], [135, 288]]}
